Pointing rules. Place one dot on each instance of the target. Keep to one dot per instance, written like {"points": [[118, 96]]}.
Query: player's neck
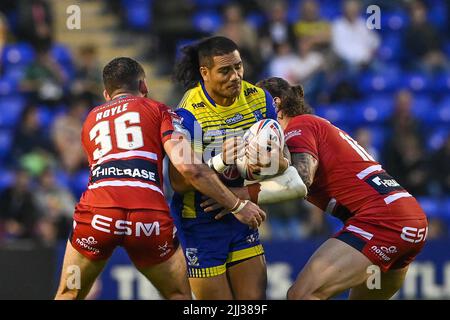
{"points": [[122, 94], [220, 100], [225, 102], [284, 121]]}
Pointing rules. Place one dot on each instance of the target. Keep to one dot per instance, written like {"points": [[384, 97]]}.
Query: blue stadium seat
{"points": [[47, 115], [7, 86], [437, 137], [79, 182], [447, 48], [383, 81], [293, 11], [442, 82], [207, 21], [376, 109], [180, 44], [335, 113], [394, 21], [446, 207], [256, 19], [443, 111], [138, 14], [431, 206], [391, 47], [10, 111], [61, 177], [6, 138], [379, 135], [7, 178], [209, 4], [19, 54], [15, 74], [417, 82], [63, 56], [437, 14], [423, 107], [330, 11], [334, 223]]}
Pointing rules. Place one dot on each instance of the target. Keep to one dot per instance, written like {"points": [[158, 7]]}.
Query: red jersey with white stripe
{"points": [[123, 140], [348, 180]]}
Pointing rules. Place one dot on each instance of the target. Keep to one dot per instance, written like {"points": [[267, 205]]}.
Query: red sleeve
{"points": [[167, 122], [302, 137]]}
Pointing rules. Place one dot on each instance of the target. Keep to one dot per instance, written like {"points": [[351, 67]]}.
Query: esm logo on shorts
{"points": [[123, 227]]}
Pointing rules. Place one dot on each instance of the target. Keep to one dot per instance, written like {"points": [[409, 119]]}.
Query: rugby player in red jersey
{"points": [[125, 141], [383, 224]]}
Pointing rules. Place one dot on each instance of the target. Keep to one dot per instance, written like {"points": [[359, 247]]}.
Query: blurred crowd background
{"points": [[388, 87]]}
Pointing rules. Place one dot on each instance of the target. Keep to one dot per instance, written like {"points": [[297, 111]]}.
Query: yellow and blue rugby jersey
{"points": [[209, 124]]}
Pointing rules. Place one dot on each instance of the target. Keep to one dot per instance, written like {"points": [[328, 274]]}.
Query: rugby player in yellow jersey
{"points": [[225, 258]]}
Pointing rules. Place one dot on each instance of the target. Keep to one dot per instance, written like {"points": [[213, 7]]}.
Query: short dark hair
{"points": [[198, 54], [122, 74], [292, 97]]}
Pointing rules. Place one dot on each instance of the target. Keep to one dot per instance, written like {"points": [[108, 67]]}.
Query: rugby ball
{"points": [[261, 140]]}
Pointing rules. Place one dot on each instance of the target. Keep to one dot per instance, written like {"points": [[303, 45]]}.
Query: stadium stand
{"points": [[366, 100]]}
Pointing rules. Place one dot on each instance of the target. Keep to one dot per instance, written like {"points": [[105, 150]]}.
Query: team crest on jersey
{"points": [[258, 115], [191, 255]]}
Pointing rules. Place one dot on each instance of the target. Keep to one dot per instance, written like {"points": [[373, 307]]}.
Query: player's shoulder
{"points": [[192, 99], [250, 91], [309, 119]]}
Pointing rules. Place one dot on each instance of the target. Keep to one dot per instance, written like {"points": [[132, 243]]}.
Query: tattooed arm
{"points": [[306, 166]]}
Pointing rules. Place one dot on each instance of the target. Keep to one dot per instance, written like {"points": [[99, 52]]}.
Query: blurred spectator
{"points": [[56, 205], [409, 165], [88, 76], [44, 78], [364, 138], [65, 134], [18, 211], [305, 67], [35, 22], [404, 154], [440, 166], [422, 41], [437, 228], [3, 32], [403, 122], [245, 36], [313, 31], [285, 63], [277, 31], [29, 135], [352, 41]]}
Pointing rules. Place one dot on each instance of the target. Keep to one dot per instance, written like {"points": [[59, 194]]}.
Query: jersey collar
{"points": [[202, 84]]}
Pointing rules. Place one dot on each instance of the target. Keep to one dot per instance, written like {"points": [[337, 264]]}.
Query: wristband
{"points": [[216, 163], [240, 207]]}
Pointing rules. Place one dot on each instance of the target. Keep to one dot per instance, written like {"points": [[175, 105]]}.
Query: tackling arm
{"points": [[292, 184]]}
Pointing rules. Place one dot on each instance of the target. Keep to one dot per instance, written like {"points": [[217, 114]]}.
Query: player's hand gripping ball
{"points": [[264, 142]]}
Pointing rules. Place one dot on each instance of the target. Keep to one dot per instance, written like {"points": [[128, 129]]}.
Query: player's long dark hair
{"points": [[200, 53], [292, 97]]}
